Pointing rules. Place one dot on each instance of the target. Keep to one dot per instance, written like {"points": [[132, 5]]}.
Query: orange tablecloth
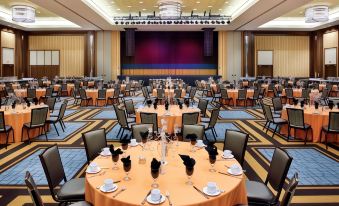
{"points": [[169, 93], [15, 86], [322, 86], [234, 94], [175, 116], [16, 118], [47, 83], [70, 87], [315, 120], [94, 94], [23, 92], [173, 180]]}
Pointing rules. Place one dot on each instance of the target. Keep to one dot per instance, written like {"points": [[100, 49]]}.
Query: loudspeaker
{"points": [[130, 41], [208, 41]]}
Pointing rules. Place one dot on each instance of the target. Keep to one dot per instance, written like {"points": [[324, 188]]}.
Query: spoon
{"points": [[123, 188], [168, 197]]}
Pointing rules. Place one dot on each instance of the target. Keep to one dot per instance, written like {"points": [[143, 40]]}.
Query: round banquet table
{"points": [[94, 94], [315, 120], [70, 87], [322, 86], [173, 180], [174, 117], [169, 93], [16, 118], [23, 92], [234, 94]]}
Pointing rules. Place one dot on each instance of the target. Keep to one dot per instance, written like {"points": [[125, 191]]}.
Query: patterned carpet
{"points": [[318, 168]]}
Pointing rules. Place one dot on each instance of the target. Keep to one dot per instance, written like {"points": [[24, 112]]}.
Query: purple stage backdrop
{"points": [[169, 50]]}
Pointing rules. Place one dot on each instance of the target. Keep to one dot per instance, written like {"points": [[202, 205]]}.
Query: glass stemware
{"points": [[176, 131], [124, 147], [115, 161], [189, 173], [127, 168], [155, 175], [193, 142], [212, 160]]}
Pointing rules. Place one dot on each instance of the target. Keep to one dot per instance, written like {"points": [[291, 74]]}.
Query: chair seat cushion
{"points": [[52, 119], [325, 128], [73, 189], [280, 121], [205, 119], [205, 124], [7, 127], [258, 192], [81, 203]]}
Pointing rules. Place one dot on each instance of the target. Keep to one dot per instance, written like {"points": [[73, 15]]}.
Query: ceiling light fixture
{"points": [[169, 8], [23, 13], [317, 14]]}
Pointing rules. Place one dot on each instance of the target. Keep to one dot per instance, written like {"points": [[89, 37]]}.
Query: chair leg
{"points": [[268, 127], [275, 130], [122, 133], [305, 137], [29, 139], [43, 129], [62, 127], [265, 125], [7, 135], [288, 133], [326, 140], [119, 132], [55, 128]]}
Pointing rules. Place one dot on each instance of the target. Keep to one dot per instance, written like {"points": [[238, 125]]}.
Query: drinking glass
{"points": [[155, 175], [212, 160], [115, 161], [176, 131], [189, 173], [127, 168], [124, 147], [193, 142]]}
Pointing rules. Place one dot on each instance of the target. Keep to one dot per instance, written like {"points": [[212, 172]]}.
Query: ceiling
{"points": [[99, 14]]}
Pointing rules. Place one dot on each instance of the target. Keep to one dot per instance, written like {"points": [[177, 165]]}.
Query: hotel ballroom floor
{"points": [[317, 168]]}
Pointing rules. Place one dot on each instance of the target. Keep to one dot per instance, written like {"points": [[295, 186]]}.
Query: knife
{"points": [[201, 192], [144, 201]]}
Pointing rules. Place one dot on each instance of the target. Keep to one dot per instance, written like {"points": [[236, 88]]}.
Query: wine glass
{"points": [[155, 175], [193, 142], [124, 147], [127, 168], [189, 173], [176, 131], [115, 161], [212, 159]]}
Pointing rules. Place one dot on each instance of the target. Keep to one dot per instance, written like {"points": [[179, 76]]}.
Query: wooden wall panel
{"points": [[330, 40], [72, 51], [290, 54], [115, 52], [7, 39]]}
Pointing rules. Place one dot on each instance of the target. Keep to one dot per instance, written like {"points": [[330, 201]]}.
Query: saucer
{"points": [[105, 155], [236, 174], [93, 172], [133, 145], [102, 188], [217, 192], [149, 200], [200, 146], [228, 157]]}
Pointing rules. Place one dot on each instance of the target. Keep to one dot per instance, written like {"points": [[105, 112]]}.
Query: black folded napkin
{"points": [[188, 161], [155, 164], [212, 150], [116, 152], [111, 148], [192, 137], [126, 161], [144, 135], [330, 104], [156, 100], [13, 105], [316, 105], [187, 102], [155, 104], [35, 100], [149, 102], [295, 101], [302, 103], [125, 140], [338, 105], [180, 105]]}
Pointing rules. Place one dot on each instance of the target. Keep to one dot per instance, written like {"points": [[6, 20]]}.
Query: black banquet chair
{"points": [[94, 141], [236, 141], [38, 120], [332, 127], [5, 128]]}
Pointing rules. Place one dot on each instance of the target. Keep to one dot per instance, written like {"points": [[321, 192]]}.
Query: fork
{"points": [[168, 197], [123, 188], [100, 174]]}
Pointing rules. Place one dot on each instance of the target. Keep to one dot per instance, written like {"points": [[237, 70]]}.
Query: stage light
{"points": [[187, 22], [223, 22], [201, 22], [206, 22], [169, 22], [160, 22], [132, 22], [192, 22], [116, 22], [213, 22], [196, 22], [144, 22], [149, 22], [228, 22], [218, 22], [180, 22], [121, 22]]}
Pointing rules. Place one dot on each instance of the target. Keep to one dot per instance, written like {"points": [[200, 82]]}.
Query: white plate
{"points": [[105, 155], [217, 192], [200, 146], [133, 145], [102, 188], [149, 200], [236, 174], [93, 172], [228, 157]]}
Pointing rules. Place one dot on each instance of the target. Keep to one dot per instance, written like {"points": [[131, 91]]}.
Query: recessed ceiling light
{"points": [[155, 6], [38, 12], [140, 2], [112, 2], [118, 9], [194, 9], [226, 2], [129, 6], [220, 9], [209, 6], [144, 9], [198, 2]]}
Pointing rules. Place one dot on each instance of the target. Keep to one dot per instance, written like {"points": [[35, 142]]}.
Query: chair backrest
{"points": [[224, 93], [102, 93], [202, 105], [242, 93], [82, 93], [150, 118], [144, 92], [40, 83], [53, 168], [128, 87], [305, 93], [333, 122], [116, 93], [31, 93], [137, 128], [267, 112], [325, 93], [39, 116], [190, 118], [49, 92], [295, 117], [94, 141], [33, 190], [236, 141], [256, 94], [62, 111], [214, 117], [192, 92], [278, 170], [2, 120], [198, 130], [277, 104], [290, 190], [177, 93], [289, 92], [129, 106], [64, 87], [51, 103], [160, 93], [121, 116]]}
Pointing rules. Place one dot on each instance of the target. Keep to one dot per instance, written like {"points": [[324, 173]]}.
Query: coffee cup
{"points": [[108, 184], [106, 151], [227, 153], [133, 141], [93, 166], [155, 195], [211, 187], [235, 168], [200, 143]]}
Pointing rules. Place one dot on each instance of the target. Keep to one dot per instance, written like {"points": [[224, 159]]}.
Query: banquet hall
{"points": [[169, 102]]}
